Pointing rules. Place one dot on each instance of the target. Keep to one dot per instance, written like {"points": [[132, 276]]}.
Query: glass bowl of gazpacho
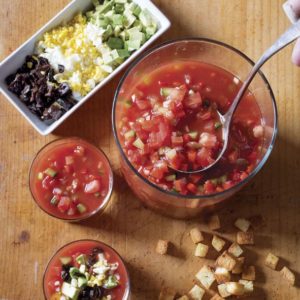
{"points": [[71, 179], [86, 270], [165, 119]]}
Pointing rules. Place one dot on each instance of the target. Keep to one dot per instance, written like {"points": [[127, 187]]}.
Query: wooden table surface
{"points": [[29, 237]]}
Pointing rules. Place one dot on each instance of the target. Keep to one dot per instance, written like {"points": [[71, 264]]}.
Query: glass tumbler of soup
{"points": [[71, 179], [165, 119], [86, 269]]}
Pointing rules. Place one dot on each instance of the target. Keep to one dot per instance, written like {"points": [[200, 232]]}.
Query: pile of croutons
{"points": [[230, 275]]}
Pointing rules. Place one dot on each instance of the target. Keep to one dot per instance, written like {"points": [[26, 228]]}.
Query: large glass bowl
{"points": [[220, 55]]}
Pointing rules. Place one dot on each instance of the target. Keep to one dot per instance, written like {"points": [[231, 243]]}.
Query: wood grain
{"points": [[29, 237]]}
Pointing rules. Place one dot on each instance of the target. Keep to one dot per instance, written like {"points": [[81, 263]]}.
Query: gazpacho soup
{"points": [[86, 270], [71, 179], [168, 121]]}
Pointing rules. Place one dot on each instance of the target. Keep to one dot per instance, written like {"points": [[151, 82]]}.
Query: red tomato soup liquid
{"points": [[77, 183], [53, 272], [169, 119]]}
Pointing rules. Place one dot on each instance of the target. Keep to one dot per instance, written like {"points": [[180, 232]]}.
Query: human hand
{"points": [[295, 6]]}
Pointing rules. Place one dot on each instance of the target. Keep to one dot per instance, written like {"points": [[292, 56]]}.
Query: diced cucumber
{"points": [[50, 172], [111, 282], [138, 143], [65, 260], [81, 259], [82, 281], [129, 134], [166, 91], [146, 18], [170, 177], [121, 1], [54, 201], [119, 8], [40, 176], [70, 291], [132, 45], [81, 208], [107, 33], [115, 43], [106, 7], [117, 20], [123, 53], [218, 125], [129, 18], [193, 135]]}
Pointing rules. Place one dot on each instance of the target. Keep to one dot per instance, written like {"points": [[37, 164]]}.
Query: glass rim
{"points": [[105, 200], [128, 287], [221, 44]]}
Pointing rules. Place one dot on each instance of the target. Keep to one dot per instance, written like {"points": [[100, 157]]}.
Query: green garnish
{"points": [[40, 176], [193, 134], [81, 208], [50, 172], [97, 194], [81, 259], [138, 143], [54, 200], [218, 125], [111, 282]]}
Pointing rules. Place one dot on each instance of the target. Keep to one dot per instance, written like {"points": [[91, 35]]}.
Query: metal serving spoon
{"points": [[288, 37]]}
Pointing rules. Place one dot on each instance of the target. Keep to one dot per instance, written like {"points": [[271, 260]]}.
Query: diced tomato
{"points": [[180, 185], [68, 169], [209, 187], [243, 176], [92, 187], [228, 184], [233, 156], [208, 140], [204, 157], [192, 154], [64, 204], [159, 170], [177, 141], [193, 100], [192, 188], [196, 177], [79, 150]]}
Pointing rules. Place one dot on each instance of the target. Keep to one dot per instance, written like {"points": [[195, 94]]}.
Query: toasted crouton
{"points": [[206, 276], [216, 297], [288, 275], [162, 247], [167, 293], [218, 243], [222, 275], [214, 222], [242, 224], [223, 290], [245, 238], [235, 288], [184, 297], [235, 250], [271, 261], [248, 286], [201, 250], [238, 269], [196, 293], [249, 273], [196, 235], [227, 261]]}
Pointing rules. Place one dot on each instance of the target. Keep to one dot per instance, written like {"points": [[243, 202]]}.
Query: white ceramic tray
{"points": [[16, 59]]}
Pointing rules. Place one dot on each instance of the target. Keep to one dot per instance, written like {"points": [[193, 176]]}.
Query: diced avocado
{"points": [[107, 33], [115, 43], [102, 22], [129, 18], [117, 19], [123, 53], [193, 135], [134, 8], [65, 260], [40, 176], [75, 273], [81, 208], [132, 45], [139, 144], [119, 8], [70, 291], [81, 259], [50, 172], [129, 134], [170, 177], [54, 201], [111, 282], [82, 281], [146, 18], [127, 103]]}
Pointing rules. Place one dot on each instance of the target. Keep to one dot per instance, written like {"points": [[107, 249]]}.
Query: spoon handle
{"points": [[291, 34]]}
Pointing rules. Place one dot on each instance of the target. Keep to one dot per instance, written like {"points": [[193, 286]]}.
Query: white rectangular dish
{"points": [[16, 59]]}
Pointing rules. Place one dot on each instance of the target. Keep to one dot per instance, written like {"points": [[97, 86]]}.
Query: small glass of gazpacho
{"points": [[71, 179], [165, 119], [86, 270]]}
